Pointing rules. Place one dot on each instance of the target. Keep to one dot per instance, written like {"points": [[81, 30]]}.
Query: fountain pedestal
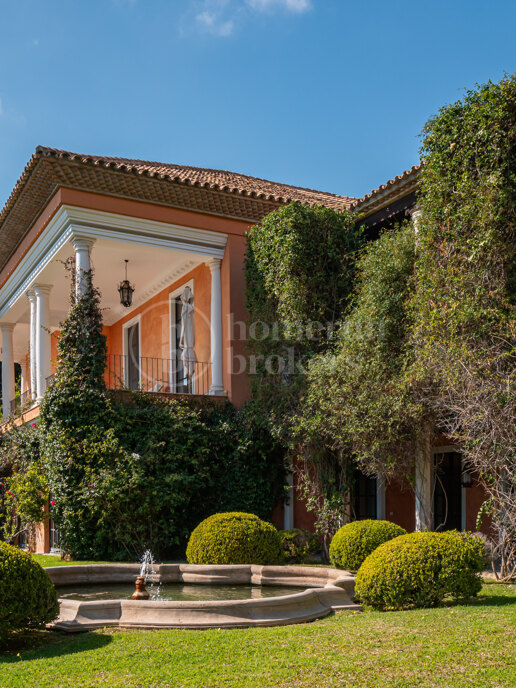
{"points": [[141, 592]]}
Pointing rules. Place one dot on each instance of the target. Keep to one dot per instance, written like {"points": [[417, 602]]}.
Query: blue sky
{"points": [[328, 94]]}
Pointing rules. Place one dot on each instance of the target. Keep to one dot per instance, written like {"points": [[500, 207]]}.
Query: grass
{"points": [[55, 560], [462, 645]]}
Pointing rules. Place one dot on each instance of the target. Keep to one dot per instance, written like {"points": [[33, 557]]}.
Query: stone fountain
{"points": [[147, 568]]}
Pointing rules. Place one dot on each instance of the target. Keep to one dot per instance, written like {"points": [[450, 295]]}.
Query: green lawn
{"points": [[54, 560], [470, 645]]}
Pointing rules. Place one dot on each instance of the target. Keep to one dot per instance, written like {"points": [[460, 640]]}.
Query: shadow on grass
{"points": [[46, 644], [491, 601]]}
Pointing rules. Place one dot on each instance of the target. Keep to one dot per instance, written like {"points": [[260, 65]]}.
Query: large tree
{"points": [[464, 302], [430, 343], [300, 266]]}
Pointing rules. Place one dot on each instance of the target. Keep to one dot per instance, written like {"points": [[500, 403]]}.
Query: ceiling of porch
{"points": [[150, 269]]}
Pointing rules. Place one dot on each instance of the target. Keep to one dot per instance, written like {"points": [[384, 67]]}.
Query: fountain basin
{"points": [[325, 590]]}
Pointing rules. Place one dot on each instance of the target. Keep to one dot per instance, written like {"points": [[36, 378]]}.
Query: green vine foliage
{"points": [[430, 342], [128, 473], [359, 400], [299, 266], [464, 301], [359, 406], [23, 484]]}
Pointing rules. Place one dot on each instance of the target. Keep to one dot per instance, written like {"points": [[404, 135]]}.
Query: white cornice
{"points": [[70, 221]]}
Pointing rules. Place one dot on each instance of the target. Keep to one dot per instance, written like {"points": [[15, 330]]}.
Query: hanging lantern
{"points": [[126, 290]]}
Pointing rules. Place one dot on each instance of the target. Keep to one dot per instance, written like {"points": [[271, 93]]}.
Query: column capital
{"points": [[416, 215], [7, 326], [31, 295], [42, 288], [81, 243], [214, 264]]}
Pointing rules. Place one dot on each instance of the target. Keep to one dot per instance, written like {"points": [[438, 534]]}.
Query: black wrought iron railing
{"points": [[157, 375], [146, 374]]}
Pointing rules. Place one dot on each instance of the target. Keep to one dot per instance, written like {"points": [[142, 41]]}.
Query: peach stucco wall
{"points": [[155, 325], [234, 313], [155, 319], [400, 506]]}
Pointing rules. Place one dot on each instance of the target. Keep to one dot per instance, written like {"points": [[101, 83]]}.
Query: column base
{"points": [[217, 391]]}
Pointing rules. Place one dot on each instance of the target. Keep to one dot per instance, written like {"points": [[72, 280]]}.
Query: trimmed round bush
{"points": [[28, 598], [234, 538], [421, 570], [355, 541]]}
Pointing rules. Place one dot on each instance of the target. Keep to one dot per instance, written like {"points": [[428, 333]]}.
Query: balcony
{"points": [[146, 374], [157, 375]]}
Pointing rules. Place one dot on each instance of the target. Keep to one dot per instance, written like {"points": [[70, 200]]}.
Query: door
{"points": [[133, 356], [448, 491], [180, 383], [364, 502]]}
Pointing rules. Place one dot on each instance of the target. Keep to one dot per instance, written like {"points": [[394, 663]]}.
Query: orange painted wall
{"points": [[155, 319], [400, 506], [234, 319], [53, 349], [475, 497]]}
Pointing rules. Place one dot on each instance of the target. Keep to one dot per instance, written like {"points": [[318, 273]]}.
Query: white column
{"points": [[43, 348], [23, 382], [7, 368], [32, 343], [416, 220], [288, 509], [82, 248], [380, 498], [217, 386], [424, 468], [424, 471]]}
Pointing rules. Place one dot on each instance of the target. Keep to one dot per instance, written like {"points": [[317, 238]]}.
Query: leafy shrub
{"points": [[464, 302], [421, 569], [27, 597], [359, 410], [298, 545], [299, 269], [23, 485], [234, 538], [354, 542], [129, 474]]}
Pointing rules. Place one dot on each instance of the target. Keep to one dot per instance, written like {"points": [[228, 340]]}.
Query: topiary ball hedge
{"points": [[234, 538], [421, 569], [354, 542], [27, 597]]}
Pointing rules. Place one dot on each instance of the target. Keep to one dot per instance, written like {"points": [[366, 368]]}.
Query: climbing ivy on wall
{"points": [[128, 473], [464, 302], [359, 406], [431, 339], [23, 485], [300, 266]]}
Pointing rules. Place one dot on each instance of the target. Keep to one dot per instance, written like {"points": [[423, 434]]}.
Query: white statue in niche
{"points": [[187, 339]]}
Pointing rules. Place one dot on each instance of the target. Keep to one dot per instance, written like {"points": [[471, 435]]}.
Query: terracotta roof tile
{"points": [[397, 180], [217, 192], [218, 180]]}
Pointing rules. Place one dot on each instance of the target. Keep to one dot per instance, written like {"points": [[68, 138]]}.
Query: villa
{"points": [[162, 238]]}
